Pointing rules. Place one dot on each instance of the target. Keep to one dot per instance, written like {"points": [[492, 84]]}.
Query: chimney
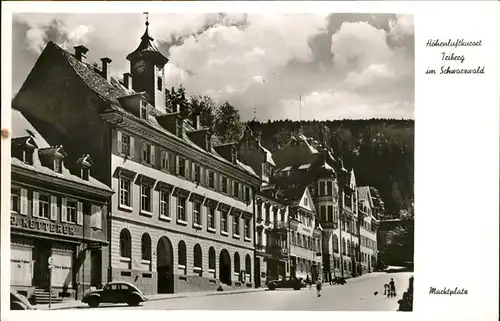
{"points": [[80, 52], [127, 80], [106, 68], [196, 121]]}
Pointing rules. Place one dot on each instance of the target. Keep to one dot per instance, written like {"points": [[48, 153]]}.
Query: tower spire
{"points": [[147, 18]]}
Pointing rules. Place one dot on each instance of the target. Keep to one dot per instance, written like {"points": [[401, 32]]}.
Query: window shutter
{"points": [[24, 201], [216, 181], [119, 141], [36, 205], [193, 171], [153, 160], [64, 211], [177, 165], [79, 213], [98, 219], [53, 208], [132, 147], [171, 162]]}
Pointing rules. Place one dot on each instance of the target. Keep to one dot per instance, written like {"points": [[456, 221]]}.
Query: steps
{"points": [[42, 297]]}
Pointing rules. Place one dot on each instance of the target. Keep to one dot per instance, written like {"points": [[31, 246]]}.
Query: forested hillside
{"points": [[381, 151]]}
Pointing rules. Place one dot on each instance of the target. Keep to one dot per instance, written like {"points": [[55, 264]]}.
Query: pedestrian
{"points": [[392, 287], [386, 289], [404, 303], [318, 287], [308, 281]]}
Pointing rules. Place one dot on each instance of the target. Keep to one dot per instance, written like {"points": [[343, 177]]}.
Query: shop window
{"points": [[182, 257], [197, 259], [146, 247], [237, 267]]}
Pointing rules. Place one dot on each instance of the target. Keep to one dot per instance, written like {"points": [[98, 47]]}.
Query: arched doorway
{"points": [[165, 266], [225, 267]]}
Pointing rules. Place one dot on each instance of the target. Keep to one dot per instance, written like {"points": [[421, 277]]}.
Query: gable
{"points": [[306, 201]]}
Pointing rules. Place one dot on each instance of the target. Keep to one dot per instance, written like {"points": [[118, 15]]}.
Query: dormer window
{"points": [[144, 110], [23, 148], [84, 163]]}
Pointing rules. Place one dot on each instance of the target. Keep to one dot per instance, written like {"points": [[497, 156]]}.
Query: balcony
{"points": [[279, 227], [330, 225], [278, 251]]}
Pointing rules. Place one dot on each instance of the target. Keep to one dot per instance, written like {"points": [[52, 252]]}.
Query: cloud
{"points": [[343, 65]]}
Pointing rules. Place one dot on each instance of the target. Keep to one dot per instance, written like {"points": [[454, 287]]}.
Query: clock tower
{"points": [[147, 66]]}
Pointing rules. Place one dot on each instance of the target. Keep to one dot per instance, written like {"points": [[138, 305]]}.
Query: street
{"points": [[356, 295]]}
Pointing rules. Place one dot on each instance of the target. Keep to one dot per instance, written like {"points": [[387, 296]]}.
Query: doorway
{"points": [[225, 267], [42, 252], [165, 266], [257, 272], [96, 268]]}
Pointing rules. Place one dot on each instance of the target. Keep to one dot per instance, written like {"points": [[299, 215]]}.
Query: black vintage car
{"points": [[115, 292], [19, 302], [286, 283]]}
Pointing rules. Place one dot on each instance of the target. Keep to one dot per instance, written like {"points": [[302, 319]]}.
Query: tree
{"points": [[228, 127], [205, 107]]}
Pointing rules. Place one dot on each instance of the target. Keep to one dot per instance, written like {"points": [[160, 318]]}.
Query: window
{"points": [[224, 184], [237, 263], [348, 248], [44, 206], [248, 266], [146, 198], [236, 226], [125, 244], [164, 159], [275, 214], [182, 167], [124, 192], [259, 238], [197, 173], [144, 110], [181, 209], [211, 179], [196, 213], [197, 259], [236, 189], [58, 165], [335, 244], [146, 247], [268, 212], [211, 260], [126, 146], [305, 201], [247, 228], [329, 188], [330, 213], [96, 217], [148, 153], [321, 188], [223, 220], [71, 211], [259, 211], [164, 204], [159, 83], [247, 194], [15, 196], [182, 257], [293, 241], [211, 217]]}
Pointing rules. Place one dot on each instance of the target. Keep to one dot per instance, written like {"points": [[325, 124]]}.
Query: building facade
{"points": [[368, 230], [59, 213], [182, 216]]}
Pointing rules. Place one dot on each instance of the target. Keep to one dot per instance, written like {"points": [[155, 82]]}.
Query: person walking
{"points": [[308, 282], [392, 288], [318, 287]]}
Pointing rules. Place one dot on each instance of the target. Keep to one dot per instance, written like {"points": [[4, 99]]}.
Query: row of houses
{"points": [[111, 182]]}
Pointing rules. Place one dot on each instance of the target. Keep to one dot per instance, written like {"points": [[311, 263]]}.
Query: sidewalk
{"points": [[75, 304]]}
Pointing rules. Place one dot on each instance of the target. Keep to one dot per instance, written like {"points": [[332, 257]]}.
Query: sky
{"points": [[269, 66]]}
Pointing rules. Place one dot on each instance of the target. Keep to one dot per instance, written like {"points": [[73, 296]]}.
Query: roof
{"points": [[21, 127], [110, 91]]}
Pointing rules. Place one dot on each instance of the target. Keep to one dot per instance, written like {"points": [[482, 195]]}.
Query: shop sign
{"points": [[43, 226]]}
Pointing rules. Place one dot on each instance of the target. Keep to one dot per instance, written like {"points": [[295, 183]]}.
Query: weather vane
{"points": [[147, 18]]}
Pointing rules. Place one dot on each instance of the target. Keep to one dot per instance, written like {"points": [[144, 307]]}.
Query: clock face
{"points": [[140, 66]]}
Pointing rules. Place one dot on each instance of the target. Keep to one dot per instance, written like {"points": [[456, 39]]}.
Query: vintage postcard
{"points": [[166, 157]]}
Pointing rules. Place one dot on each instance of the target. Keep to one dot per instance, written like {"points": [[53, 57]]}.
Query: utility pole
{"points": [[341, 214]]}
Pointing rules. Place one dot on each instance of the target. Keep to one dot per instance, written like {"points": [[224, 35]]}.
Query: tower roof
{"points": [[147, 48]]}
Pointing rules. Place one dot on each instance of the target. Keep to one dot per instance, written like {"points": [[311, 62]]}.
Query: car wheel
{"points": [[94, 302]]}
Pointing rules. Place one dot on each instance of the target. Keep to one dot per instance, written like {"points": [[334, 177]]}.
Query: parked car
{"points": [[115, 292], [19, 302], [286, 283]]}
